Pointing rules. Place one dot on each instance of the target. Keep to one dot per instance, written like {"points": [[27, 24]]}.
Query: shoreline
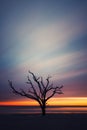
{"points": [[37, 110]]}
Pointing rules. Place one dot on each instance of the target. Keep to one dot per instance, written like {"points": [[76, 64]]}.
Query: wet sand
{"points": [[48, 122]]}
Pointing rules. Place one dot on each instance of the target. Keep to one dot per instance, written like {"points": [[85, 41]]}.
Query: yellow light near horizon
{"points": [[67, 101]]}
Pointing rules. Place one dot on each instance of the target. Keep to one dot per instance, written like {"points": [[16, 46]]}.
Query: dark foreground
{"points": [[48, 122]]}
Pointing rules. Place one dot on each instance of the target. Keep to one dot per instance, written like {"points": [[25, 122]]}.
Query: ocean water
{"points": [[37, 110]]}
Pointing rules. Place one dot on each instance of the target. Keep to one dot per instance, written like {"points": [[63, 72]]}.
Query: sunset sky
{"points": [[48, 37]]}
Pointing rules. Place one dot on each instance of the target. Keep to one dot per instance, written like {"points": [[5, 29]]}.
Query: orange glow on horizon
{"points": [[67, 101], [19, 103]]}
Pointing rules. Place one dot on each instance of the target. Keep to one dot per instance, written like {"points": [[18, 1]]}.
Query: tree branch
{"points": [[47, 81], [32, 86], [55, 90], [36, 80], [42, 83], [22, 92]]}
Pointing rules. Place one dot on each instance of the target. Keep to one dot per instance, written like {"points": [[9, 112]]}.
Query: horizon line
{"points": [[63, 101]]}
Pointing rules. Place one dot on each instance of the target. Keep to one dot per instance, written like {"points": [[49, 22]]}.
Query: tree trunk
{"points": [[43, 111], [43, 108]]}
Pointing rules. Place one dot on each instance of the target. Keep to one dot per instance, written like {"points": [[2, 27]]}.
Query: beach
{"points": [[47, 122]]}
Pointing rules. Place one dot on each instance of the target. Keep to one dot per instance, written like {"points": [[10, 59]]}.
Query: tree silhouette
{"points": [[40, 93]]}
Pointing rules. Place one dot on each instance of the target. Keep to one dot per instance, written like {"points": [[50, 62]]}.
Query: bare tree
{"points": [[42, 93]]}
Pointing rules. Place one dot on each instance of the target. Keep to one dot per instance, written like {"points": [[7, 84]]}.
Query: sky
{"points": [[48, 37]]}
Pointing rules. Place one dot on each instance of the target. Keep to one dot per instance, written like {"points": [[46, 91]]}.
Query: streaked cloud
{"points": [[47, 38]]}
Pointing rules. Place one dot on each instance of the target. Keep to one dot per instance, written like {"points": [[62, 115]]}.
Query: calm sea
{"points": [[36, 109]]}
